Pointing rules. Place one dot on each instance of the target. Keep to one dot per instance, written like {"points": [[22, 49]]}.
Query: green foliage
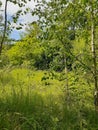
{"points": [[27, 103], [26, 52], [55, 99]]}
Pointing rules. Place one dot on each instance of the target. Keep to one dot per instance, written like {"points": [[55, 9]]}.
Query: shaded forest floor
{"points": [[39, 100]]}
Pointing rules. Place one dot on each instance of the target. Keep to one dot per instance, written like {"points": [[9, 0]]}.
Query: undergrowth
{"points": [[38, 100]]}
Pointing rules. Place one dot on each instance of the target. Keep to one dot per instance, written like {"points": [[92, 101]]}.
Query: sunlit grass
{"points": [[36, 100]]}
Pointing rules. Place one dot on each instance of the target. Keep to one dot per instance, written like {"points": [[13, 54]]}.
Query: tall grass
{"points": [[28, 103]]}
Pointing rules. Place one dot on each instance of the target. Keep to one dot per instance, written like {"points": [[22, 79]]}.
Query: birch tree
{"points": [[80, 18]]}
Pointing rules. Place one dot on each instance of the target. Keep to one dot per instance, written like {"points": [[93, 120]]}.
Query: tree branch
{"points": [[83, 64]]}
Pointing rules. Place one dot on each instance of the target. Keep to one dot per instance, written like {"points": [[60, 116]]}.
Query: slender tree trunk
{"points": [[94, 57], [66, 84], [5, 28], [67, 98], [93, 47]]}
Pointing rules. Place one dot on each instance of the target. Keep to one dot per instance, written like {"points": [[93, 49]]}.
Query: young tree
{"points": [[71, 20], [5, 27], [93, 11]]}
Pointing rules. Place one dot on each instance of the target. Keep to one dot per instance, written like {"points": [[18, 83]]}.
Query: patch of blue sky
{"points": [[25, 21], [11, 10], [15, 34]]}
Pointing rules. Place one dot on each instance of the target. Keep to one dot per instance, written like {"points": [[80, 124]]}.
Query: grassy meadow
{"points": [[39, 100]]}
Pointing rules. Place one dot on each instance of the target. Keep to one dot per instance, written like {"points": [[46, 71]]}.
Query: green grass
{"points": [[37, 100]]}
